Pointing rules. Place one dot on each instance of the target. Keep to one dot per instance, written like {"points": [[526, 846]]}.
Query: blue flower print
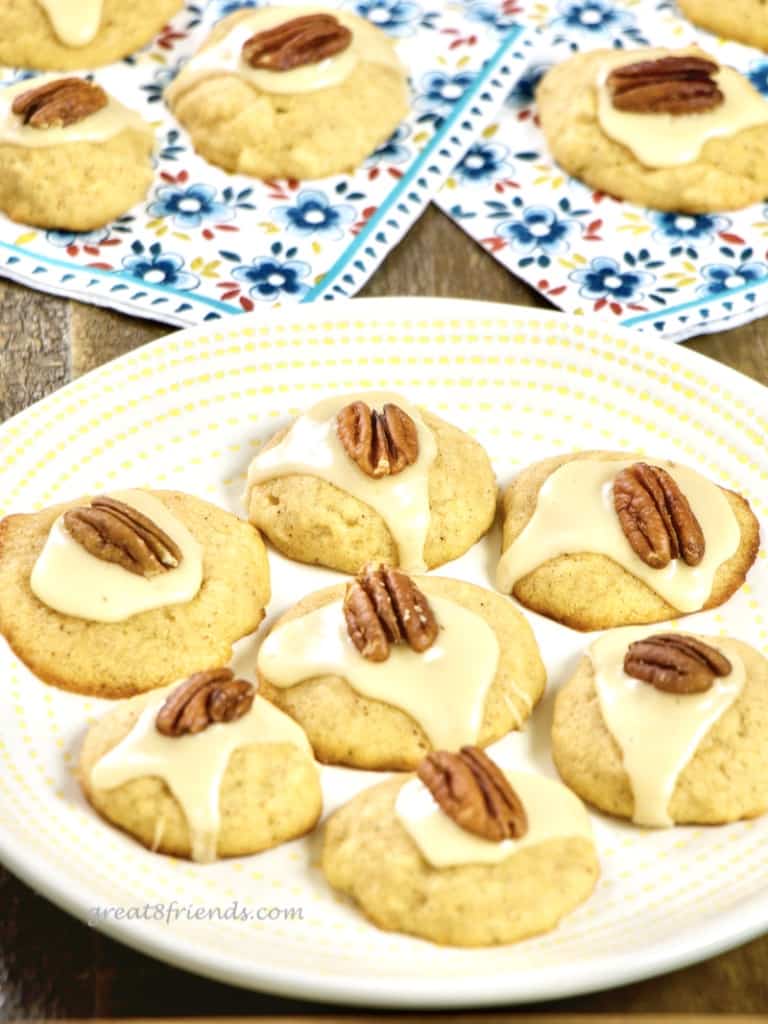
{"points": [[63, 239], [604, 279], [758, 76], [160, 79], [269, 278], [392, 151], [483, 162], [524, 93], [591, 17], [488, 12], [440, 90], [721, 278], [537, 228], [687, 227], [189, 207], [397, 17], [153, 266], [313, 214], [230, 6]]}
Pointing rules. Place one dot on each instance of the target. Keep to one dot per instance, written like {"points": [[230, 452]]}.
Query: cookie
{"points": [[666, 756], [120, 632], [566, 554], [185, 778], [65, 35], [743, 20], [410, 868], [648, 143], [318, 502], [476, 677], [72, 157], [274, 95]]}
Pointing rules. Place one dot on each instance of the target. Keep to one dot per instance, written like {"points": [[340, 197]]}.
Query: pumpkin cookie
{"points": [[299, 93], [602, 539], [666, 728], [467, 854], [743, 20], [670, 129], [383, 671], [71, 156], [165, 584], [154, 766], [63, 35], [370, 478]]}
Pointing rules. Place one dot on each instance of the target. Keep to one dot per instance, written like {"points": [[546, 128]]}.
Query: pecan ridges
{"points": [[670, 85], [473, 791], [675, 663], [381, 443], [59, 104], [115, 532], [383, 606], [204, 699], [656, 518], [305, 40]]}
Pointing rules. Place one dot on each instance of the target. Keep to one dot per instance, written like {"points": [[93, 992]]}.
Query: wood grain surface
{"points": [[52, 966]]}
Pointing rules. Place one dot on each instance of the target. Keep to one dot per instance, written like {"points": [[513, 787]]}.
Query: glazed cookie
{"points": [[666, 728], [380, 673], [203, 769], [63, 35], [291, 93], [670, 129], [130, 592], [743, 20], [464, 855], [603, 539], [71, 157], [369, 478]]}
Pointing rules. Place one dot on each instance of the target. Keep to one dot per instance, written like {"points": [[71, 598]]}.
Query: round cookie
{"points": [[588, 591], [743, 20], [73, 178], [369, 856], [729, 173], [311, 520], [269, 792], [725, 779], [251, 122], [149, 649], [28, 38], [346, 727]]}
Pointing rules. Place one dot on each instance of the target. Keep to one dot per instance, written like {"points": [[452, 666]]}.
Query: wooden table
{"points": [[52, 966]]}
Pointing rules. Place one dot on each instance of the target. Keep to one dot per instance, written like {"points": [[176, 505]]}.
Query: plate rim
{"points": [[737, 925]]}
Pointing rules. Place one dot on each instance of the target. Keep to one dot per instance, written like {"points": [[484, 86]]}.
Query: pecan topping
{"points": [[675, 663], [59, 104], [383, 606], [305, 40], [116, 532], [472, 790], [656, 518], [381, 443], [205, 698], [671, 85]]}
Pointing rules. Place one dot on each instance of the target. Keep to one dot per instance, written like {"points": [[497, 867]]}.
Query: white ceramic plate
{"points": [[188, 411]]}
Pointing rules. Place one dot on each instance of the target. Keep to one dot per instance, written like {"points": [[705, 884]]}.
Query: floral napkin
{"points": [[672, 275], [206, 243]]}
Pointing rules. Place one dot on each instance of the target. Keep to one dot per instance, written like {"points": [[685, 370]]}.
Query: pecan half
{"points": [[305, 40], [675, 664], [383, 606], [656, 518], [204, 699], [59, 104], [472, 790], [670, 85], [115, 532], [381, 443]]}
